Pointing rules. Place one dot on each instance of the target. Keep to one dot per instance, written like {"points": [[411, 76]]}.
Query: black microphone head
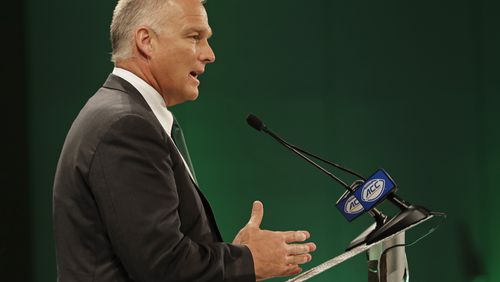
{"points": [[255, 122]]}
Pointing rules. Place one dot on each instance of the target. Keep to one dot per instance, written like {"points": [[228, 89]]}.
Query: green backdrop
{"points": [[410, 86]]}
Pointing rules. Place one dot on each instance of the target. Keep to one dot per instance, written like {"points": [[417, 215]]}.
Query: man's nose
{"points": [[207, 55]]}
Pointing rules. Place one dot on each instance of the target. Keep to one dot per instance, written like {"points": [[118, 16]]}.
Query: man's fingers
{"points": [[292, 269], [296, 236], [298, 249], [257, 214], [298, 259]]}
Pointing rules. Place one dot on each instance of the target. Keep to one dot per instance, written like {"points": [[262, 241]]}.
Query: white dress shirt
{"points": [[155, 102]]}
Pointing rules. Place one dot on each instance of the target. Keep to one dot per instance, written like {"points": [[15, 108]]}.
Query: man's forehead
{"points": [[186, 8], [187, 15], [186, 12]]}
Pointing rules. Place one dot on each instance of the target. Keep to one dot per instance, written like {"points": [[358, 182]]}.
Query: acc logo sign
{"points": [[352, 206], [372, 190]]}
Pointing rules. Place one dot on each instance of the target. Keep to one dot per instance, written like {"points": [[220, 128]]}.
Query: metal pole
{"points": [[387, 263]]}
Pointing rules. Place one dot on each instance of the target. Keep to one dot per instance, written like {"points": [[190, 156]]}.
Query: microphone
{"points": [[255, 122], [380, 218], [359, 196], [258, 125]]}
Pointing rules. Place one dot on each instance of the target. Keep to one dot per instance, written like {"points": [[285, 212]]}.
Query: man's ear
{"points": [[143, 41]]}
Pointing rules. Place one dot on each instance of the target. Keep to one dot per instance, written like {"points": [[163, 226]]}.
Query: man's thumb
{"points": [[257, 214]]}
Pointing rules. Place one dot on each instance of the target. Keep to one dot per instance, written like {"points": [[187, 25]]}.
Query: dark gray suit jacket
{"points": [[125, 207]]}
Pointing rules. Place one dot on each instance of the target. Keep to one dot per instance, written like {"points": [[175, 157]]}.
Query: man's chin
{"points": [[191, 96]]}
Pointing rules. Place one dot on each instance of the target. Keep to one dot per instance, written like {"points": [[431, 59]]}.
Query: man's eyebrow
{"points": [[202, 30]]}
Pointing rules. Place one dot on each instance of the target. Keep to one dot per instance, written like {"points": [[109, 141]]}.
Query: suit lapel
{"points": [[118, 83]]}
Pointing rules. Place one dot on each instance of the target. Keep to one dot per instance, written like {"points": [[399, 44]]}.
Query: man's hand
{"points": [[273, 254]]}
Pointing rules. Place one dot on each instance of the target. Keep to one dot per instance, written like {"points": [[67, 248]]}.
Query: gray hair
{"points": [[127, 16]]}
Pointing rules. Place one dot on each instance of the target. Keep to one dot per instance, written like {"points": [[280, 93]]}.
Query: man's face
{"points": [[181, 51]]}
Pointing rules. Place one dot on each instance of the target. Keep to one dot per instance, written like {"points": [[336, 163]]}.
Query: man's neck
{"points": [[143, 73]]}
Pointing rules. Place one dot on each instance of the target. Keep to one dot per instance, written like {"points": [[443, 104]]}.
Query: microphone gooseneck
{"points": [[385, 226], [257, 124]]}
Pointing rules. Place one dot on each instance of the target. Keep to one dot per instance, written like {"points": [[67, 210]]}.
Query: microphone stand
{"points": [[383, 227]]}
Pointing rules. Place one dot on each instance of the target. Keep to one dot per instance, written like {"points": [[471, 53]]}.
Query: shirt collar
{"points": [[152, 97]]}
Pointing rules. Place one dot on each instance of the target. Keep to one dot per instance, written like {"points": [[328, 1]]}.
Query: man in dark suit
{"points": [[126, 203]]}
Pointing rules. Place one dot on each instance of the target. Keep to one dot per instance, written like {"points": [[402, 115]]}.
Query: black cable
{"points": [[438, 214]]}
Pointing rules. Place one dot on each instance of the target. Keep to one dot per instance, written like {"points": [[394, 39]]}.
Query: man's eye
{"points": [[196, 37]]}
